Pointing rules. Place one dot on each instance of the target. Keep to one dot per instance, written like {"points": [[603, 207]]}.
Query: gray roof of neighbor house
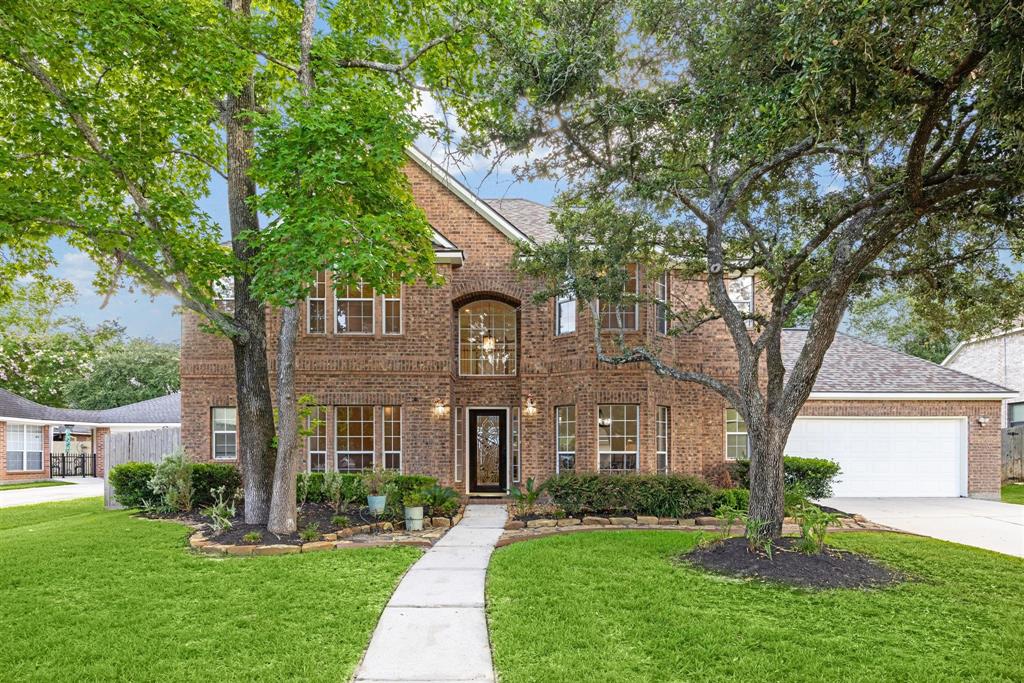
{"points": [[853, 365], [162, 410], [529, 216]]}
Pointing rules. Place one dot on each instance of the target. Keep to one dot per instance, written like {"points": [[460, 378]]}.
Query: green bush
{"points": [[131, 483], [207, 477], [352, 482], [172, 483], [814, 474], [644, 494], [736, 499]]}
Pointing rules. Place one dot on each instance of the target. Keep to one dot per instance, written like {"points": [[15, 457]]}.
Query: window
{"points": [[618, 444], [316, 305], [224, 294], [393, 313], [225, 433], [354, 438], [622, 316], [662, 441], [565, 314], [353, 305], [316, 442], [1014, 413], [741, 293], [458, 443], [487, 339], [517, 464], [661, 299], [24, 448], [737, 445], [393, 437], [565, 438]]}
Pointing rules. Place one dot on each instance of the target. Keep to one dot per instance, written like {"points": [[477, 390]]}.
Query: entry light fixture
{"points": [[531, 405], [983, 420], [441, 408]]}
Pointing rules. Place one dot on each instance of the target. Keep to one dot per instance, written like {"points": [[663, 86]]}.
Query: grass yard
{"points": [[613, 606], [32, 485], [92, 595], [1013, 493]]}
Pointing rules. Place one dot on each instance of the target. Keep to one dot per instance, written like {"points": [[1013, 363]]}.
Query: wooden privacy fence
{"points": [[1013, 453], [146, 446]]}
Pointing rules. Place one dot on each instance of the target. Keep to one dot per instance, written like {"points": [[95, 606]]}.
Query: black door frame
{"points": [[502, 415]]}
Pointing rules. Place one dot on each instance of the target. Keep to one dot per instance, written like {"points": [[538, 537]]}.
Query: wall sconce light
{"points": [[531, 405], [441, 408], [983, 420], [487, 343]]}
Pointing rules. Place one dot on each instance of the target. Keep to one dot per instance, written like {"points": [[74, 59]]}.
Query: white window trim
{"points": [[559, 301], [214, 432], [662, 292], [384, 438], [24, 447], [311, 299], [636, 308], [597, 424], [725, 425], [384, 299], [558, 451], [373, 312], [746, 302], [327, 439], [659, 452], [338, 452]]}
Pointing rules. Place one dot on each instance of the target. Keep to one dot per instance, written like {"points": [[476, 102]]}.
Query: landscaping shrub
{"points": [[646, 494], [131, 483], [208, 477], [736, 499], [350, 485], [814, 474], [172, 483]]}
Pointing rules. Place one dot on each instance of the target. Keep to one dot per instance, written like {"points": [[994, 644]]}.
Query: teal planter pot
{"points": [[414, 519], [376, 504]]}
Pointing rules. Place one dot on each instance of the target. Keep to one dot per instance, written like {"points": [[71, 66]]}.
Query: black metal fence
{"points": [[73, 465]]}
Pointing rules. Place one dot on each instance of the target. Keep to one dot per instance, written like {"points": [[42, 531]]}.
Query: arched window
{"points": [[487, 339]]}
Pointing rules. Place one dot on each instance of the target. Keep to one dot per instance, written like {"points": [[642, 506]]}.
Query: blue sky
{"points": [[157, 318]]}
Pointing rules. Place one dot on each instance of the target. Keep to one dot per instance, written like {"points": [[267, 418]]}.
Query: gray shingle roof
{"points": [[529, 216], [161, 410], [855, 365]]}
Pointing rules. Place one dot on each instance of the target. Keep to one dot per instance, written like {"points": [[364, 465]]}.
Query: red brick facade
{"points": [[419, 368]]}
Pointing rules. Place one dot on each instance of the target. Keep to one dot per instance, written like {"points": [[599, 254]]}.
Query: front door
{"points": [[488, 450]]}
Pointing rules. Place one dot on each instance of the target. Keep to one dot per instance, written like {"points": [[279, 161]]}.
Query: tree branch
{"points": [[403, 66]]}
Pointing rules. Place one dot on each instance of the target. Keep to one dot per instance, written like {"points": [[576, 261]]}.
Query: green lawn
{"points": [[1013, 493], [32, 485], [613, 606], [91, 595]]}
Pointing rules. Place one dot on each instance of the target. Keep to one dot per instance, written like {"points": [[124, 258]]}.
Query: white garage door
{"points": [[887, 457]]}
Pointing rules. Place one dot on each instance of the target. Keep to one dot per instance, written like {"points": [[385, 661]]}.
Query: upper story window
{"points": [[661, 298], [487, 339], [24, 448], [225, 433], [565, 314], [393, 312], [316, 305], [741, 293], [622, 316], [618, 440], [737, 442], [353, 305]]}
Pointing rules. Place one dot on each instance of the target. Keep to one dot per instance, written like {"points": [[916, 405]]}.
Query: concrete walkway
{"points": [[83, 487], [434, 628], [986, 524]]}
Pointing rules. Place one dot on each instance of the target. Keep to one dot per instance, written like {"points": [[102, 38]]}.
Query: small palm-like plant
{"points": [[525, 499]]}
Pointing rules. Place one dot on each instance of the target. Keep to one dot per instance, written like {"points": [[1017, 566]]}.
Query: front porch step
{"points": [[489, 499]]}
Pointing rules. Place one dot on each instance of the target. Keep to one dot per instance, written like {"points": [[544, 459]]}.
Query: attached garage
{"points": [[898, 426], [884, 457]]}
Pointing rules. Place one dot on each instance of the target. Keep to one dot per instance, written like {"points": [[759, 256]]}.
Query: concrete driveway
{"points": [[984, 524], [81, 487]]}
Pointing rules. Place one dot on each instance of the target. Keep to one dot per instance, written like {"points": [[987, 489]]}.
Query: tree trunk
{"points": [[767, 495], [252, 385], [283, 516]]}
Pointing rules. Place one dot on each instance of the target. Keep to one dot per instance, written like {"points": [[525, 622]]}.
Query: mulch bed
{"points": [[310, 513], [831, 569]]}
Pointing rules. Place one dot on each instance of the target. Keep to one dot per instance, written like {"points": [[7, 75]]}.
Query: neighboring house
{"points": [[998, 358], [30, 432], [473, 383]]}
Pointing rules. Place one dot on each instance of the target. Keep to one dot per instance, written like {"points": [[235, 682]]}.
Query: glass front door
{"points": [[488, 450]]}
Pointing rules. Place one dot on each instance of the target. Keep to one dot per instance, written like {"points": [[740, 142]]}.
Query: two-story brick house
{"points": [[473, 383]]}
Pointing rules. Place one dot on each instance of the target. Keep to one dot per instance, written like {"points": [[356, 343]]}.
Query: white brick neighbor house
{"points": [[998, 358]]}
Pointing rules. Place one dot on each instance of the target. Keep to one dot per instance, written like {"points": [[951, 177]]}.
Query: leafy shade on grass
{"points": [[1013, 493], [616, 606], [92, 595], [32, 485]]}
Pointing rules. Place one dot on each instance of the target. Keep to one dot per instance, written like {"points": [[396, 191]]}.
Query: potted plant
{"points": [[413, 502], [377, 481]]}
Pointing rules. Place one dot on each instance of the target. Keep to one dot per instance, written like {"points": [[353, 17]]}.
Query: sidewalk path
{"points": [[83, 487], [434, 628]]}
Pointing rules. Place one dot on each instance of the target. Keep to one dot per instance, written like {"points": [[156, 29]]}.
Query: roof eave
{"points": [[910, 395]]}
